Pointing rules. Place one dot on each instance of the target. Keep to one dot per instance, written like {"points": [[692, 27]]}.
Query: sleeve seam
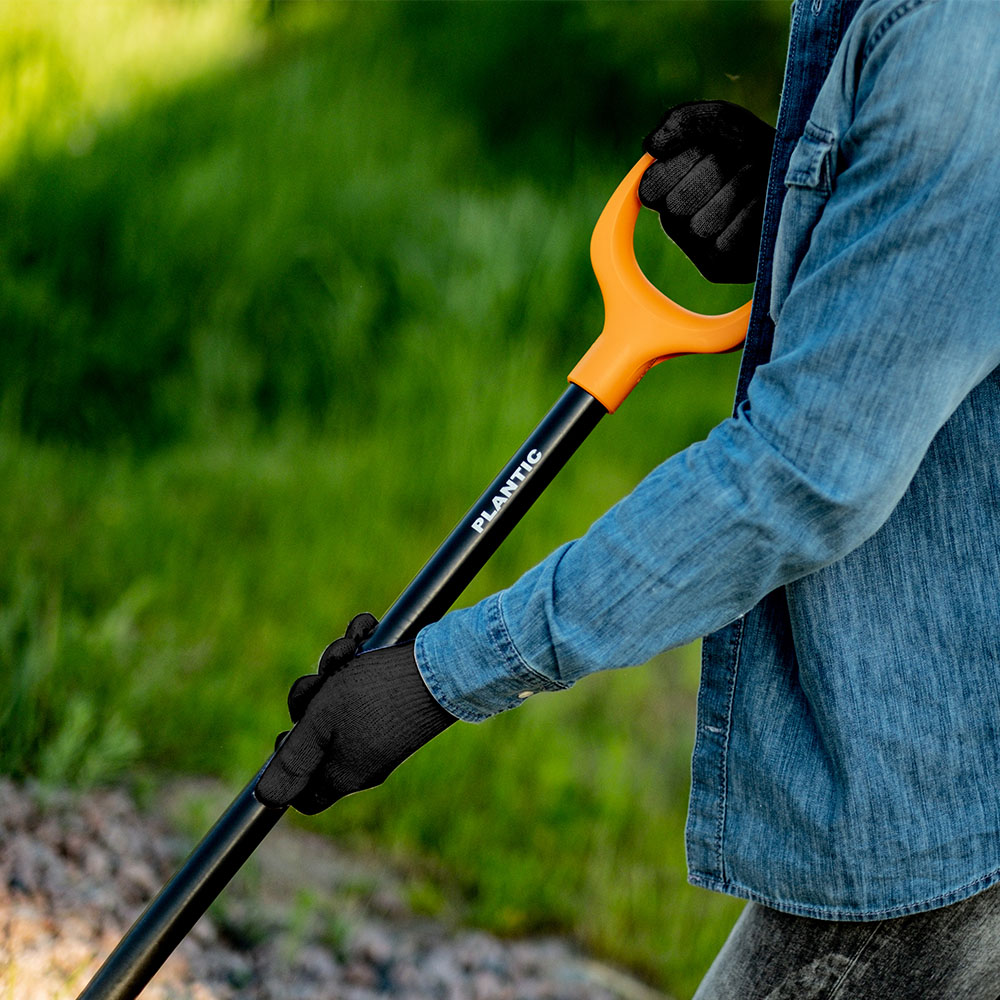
{"points": [[515, 659]]}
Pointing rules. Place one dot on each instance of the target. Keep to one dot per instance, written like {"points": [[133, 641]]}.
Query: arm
{"points": [[888, 322], [359, 716]]}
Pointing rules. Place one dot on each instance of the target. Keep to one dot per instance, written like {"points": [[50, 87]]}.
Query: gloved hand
{"points": [[356, 719], [708, 184]]}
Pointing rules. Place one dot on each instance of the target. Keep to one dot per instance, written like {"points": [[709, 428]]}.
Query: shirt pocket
{"points": [[809, 182]]}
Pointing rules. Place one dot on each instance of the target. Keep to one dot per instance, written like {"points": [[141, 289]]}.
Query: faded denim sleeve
{"points": [[886, 300]]}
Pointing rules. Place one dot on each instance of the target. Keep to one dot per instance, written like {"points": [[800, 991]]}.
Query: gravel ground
{"points": [[304, 921]]}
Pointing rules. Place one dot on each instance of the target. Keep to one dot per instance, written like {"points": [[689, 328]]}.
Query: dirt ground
{"points": [[304, 921]]}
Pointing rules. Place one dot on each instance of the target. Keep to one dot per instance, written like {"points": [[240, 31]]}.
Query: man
{"points": [[837, 540]]}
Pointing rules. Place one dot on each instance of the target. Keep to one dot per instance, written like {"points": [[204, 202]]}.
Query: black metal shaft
{"points": [[491, 518], [237, 834]]}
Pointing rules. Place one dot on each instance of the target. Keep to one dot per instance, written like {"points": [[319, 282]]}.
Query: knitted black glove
{"points": [[708, 184], [356, 720]]}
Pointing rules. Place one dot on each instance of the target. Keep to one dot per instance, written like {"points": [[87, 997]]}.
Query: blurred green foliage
{"points": [[282, 285], [234, 248]]}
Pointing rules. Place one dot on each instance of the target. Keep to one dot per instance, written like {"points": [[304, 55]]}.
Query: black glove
{"points": [[708, 184], [356, 720]]}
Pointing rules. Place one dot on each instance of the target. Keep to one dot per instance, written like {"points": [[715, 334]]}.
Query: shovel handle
{"points": [[642, 326]]}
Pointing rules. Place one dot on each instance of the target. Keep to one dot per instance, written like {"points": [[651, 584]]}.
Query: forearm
{"points": [[696, 544]]}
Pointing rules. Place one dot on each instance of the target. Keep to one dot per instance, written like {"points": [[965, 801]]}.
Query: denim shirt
{"points": [[838, 539]]}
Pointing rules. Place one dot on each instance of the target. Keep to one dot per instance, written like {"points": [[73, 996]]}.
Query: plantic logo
{"points": [[517, 477]]}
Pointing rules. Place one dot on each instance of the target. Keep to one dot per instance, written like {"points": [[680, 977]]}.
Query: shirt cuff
{"points": [[472, 667]]}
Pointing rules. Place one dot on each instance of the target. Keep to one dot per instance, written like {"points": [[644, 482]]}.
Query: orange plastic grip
{"points": [[641, 325]]}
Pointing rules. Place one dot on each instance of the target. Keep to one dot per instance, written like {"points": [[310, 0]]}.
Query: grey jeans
{"points": [[948, 954]]}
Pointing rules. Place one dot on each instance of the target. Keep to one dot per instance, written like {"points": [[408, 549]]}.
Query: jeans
{"points": [[948, 954]]}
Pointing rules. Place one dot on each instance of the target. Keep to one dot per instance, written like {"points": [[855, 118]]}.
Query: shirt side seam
{"points": [[736, 644]]}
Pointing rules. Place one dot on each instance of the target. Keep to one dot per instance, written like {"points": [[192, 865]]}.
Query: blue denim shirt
{"points": [[837, 539]]}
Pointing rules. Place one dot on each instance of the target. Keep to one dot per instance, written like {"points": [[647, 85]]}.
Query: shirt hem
{"points": [[821, 912]]}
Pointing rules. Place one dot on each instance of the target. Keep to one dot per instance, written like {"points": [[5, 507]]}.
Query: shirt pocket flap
{"points": [[812, 161]]}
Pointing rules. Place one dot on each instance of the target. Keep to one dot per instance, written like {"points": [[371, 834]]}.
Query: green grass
{"points": [[274, 312]]}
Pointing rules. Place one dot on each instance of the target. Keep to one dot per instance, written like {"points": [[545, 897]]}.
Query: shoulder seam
{"points": [[898, 12]]}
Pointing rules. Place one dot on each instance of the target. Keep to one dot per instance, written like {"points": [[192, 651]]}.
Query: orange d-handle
{"points": [[641, 325]]}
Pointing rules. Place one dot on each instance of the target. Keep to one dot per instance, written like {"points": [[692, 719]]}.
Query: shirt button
{"points": [[525, 694]]}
